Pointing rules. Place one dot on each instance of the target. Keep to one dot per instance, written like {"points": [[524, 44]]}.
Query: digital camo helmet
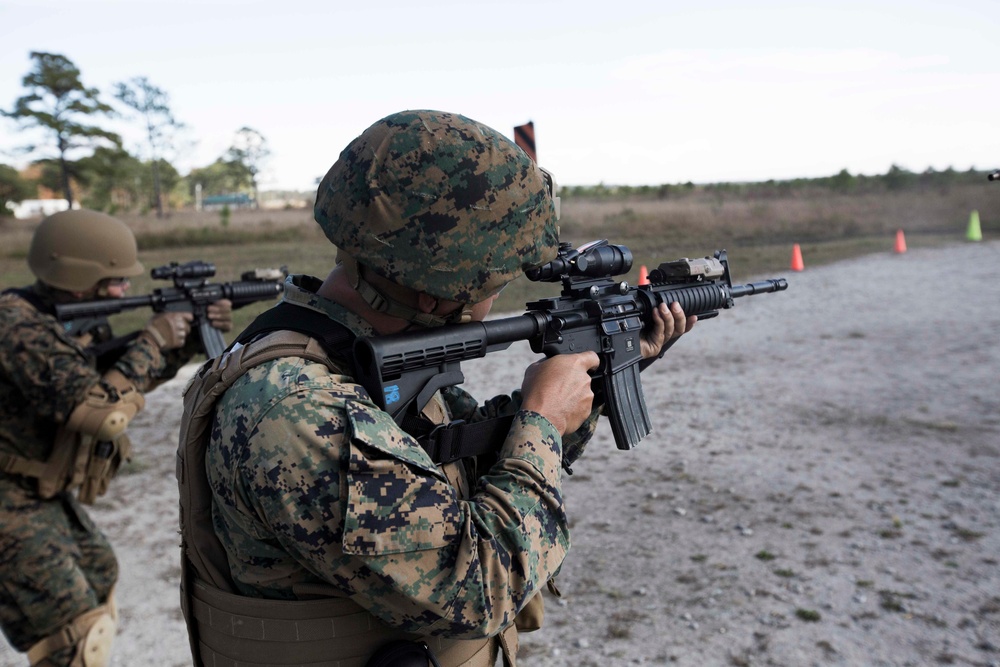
{"points": [[441, 204], [74, 250]]}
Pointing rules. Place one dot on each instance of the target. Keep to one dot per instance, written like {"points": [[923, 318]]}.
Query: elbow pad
{"points": [[108, 407]]}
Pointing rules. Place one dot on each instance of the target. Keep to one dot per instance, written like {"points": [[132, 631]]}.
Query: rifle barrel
{"points": [[770, 285], [246, 292], [71, 311]]}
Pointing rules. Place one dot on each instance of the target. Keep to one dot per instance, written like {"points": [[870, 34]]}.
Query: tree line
{"points": [[88, 163], [896, 179]]}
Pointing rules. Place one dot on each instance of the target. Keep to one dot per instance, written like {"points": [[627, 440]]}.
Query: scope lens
{"points": [[605, 260]]}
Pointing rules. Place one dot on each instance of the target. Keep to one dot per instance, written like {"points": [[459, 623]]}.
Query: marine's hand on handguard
{"points": [[668, 324]]}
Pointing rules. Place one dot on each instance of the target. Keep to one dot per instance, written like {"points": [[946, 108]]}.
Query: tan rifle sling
{"points": [[228, 629]]}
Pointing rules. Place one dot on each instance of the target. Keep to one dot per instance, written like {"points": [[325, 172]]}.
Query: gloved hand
{"points": [[169, 330], [220, 315]]}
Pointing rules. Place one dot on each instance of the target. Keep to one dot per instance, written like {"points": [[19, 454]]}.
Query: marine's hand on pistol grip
{"points": [[559, 389], [220, 314]]}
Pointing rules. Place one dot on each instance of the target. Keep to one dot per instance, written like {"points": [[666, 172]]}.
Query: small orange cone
{"points": [[797, 264], [900, 242], [643, 275]]}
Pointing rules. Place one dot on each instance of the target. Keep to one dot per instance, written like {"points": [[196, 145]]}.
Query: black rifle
{"points": [[191, 293], [594, 312]]}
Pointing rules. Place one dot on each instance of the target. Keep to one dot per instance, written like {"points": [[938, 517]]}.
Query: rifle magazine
{"points": [[626, 407]]}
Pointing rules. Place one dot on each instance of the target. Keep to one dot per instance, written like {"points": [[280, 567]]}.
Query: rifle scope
{"points": [[597, 259], [189, 270]]}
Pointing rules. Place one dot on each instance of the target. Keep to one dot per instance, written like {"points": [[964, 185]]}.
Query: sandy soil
{"points": [[821, 487]]}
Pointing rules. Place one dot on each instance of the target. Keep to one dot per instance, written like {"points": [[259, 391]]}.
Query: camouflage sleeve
{"points": [[400, 541], [48, 369], [147, 366], [463, 406], [576, 442]]}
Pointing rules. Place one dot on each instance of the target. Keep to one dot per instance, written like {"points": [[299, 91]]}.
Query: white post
{"points": [[197, 196]]}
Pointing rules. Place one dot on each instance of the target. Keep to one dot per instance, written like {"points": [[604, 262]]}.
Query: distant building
{"points": [[39, 208], [47, 202], [217, 202]]}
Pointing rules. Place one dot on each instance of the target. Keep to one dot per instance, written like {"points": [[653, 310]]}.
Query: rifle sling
{"points": [[444, 443]]}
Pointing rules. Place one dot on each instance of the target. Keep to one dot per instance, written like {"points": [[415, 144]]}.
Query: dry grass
{"points": [[757, 232]]}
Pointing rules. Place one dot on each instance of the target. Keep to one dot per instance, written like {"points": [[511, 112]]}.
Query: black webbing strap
{"points": [[458, 439], [444, 443], [29, 295], [335, 339]]}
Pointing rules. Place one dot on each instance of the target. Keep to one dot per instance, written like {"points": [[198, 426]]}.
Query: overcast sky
{"points": [[621, 92]]}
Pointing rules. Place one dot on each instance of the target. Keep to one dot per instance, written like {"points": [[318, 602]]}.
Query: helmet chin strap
{"points": [[383, 303]]}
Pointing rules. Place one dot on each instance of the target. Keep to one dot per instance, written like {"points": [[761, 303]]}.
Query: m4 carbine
{"points": [[191, 293], [594, 312]]}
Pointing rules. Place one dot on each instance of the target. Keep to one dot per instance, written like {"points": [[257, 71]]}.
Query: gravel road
{"points": [[820, 487]]}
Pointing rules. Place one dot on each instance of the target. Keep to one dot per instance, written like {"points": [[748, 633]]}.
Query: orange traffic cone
{"points": [[643, 275], [797, 264], [900, 242]]}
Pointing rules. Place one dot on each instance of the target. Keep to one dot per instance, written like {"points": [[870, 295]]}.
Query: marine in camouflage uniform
{"points": [[316, 492], [55, 565]]}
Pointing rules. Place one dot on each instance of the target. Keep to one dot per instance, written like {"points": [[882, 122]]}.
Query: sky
{"points": [[625, 92]]}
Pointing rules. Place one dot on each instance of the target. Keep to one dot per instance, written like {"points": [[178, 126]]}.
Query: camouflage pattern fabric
{"points": [[54, 563], [314, 488], [439, 203]]}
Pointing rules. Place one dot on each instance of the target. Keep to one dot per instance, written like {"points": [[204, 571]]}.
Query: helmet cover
{"points": [[439, 203]]}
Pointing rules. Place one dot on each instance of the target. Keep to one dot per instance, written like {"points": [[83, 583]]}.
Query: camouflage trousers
{"points": [[54, 564]]}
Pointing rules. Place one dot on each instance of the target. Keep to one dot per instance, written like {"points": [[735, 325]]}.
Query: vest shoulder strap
{"points": [[31, 297], [335, 339]]}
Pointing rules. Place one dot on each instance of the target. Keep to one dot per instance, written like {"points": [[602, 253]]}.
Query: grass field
{"points": [[757, 232]]}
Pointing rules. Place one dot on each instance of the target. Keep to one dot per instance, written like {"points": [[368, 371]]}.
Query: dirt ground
{"points": [[821, 487]]}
